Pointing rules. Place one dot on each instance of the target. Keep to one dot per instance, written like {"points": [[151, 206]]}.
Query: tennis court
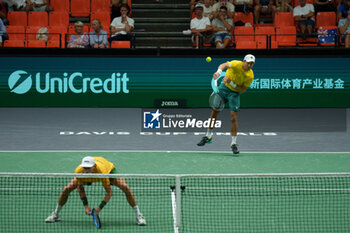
{"points": [[234, 204]]}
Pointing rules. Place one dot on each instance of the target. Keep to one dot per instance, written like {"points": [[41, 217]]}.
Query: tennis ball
{"points": [[208, 59]]}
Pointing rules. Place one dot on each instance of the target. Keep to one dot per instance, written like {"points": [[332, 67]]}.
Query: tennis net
{"points": [[271, 203]]}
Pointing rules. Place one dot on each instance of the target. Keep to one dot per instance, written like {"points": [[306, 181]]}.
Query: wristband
{"points": [[219, 71], [103, 203], [85, 202], [234, 85]]}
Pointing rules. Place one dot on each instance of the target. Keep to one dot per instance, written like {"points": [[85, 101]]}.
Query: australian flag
{"points": [[326, 36]]}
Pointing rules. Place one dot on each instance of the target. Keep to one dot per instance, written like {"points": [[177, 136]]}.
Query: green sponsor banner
{"points": [[139, 82]]}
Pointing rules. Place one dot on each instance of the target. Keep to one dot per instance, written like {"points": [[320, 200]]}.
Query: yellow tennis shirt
{"points": [[238, 75], [102, 166]]}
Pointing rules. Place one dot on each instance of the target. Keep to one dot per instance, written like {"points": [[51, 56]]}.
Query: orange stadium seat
{"points": [[60, 5], [120, 44], [36, 44], [261, 34], [245, 44], [38, 18], [16, 32], [104, 17], [284, 19], [100, 5], [54, 35], [244, 34], [326, 19], [31, 32], [14, 43], [240, 16], [17, 18], [53, 44], [59, 19], [286, 36], [80, 8]]}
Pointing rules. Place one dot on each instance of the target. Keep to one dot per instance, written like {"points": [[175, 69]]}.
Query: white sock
{"points": [[209, 133], [58, 209], [234, 139], [137, 210]]}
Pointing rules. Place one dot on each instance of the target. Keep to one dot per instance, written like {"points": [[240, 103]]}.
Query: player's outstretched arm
{"points": [[108, 196], [83, 198], [221, 67]]}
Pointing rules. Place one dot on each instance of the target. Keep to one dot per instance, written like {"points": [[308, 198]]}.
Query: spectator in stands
{"points": [[324, 5], [208, 10], [3, 33], [284, 6], [3, 13], [79, 39], [98, 37], [38, 5], [230, 8], [222, 26], [344, 29], [304, 15], [265, 7], [115, 8], [193, 3], [121, 27], [200, 26], [15, 5], [245, 6], [343, 9]]}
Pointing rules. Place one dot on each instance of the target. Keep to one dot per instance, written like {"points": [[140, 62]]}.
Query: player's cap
{"points": [[87, 161], [199, 5], [249, 58]]}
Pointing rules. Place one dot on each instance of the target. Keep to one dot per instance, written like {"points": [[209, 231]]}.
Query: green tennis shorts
{"points": [[114, 171], [233, 98]]}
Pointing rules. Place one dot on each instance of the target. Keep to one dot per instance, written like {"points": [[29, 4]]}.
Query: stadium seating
{"points": [[100, 5], [60, 5], [53, 44], [14, 43], [59, 19], [80, 8], [54, 35], [120, 44], [261, 35], [240, 16], [326, 19], [245, 44], [244, 34], [38, 18], [17, 18], [16, 32], [286, 36], [31, 32], [36, 44], [104, 17], [284, 19]]}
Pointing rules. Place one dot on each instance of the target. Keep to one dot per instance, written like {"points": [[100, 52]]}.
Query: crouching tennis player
{"points": [[239, 76], [96, 165]]}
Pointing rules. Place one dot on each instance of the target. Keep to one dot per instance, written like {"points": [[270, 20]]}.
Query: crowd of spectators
{"points": [[208, 13]]}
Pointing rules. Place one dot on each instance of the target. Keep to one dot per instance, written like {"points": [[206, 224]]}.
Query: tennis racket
{"points": [[216, 102], [96, 218]]}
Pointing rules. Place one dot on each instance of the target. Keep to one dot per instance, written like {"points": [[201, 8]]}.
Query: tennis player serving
{"points": [[96, 165], [238, 77]]}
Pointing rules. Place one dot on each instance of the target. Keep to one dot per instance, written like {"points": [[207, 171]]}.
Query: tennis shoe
{"points": [[141, 221], [234, 149], [204, 140], [53, 218]]}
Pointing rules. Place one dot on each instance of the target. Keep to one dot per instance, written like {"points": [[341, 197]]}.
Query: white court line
{"points": [[173, 204], [180, 151]]}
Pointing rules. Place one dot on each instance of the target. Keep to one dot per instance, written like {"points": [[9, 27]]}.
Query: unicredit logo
{"points": [[21, 82]]}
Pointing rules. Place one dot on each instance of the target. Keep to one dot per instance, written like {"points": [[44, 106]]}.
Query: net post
{"points": [[178, 200]]}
